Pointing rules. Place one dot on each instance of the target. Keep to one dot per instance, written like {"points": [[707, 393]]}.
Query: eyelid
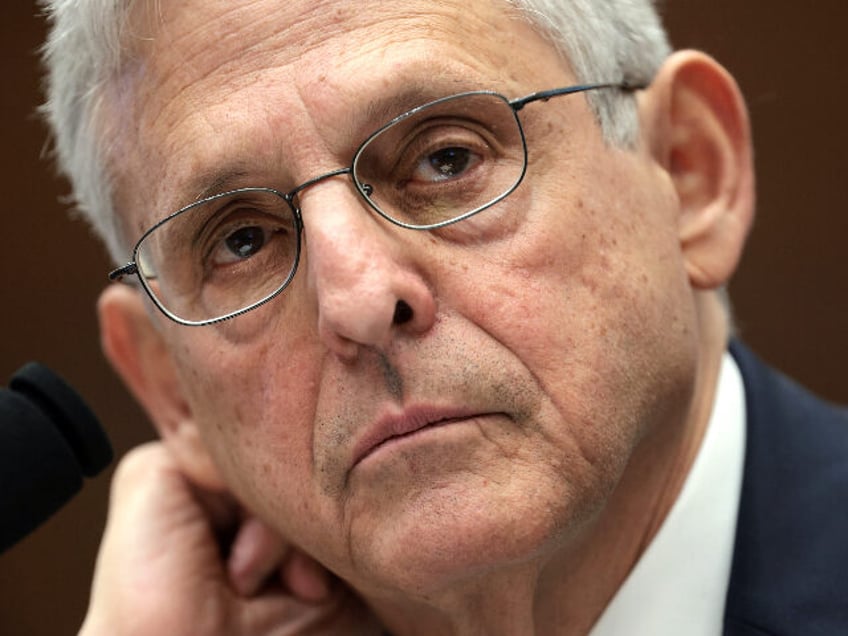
{"points": [[412, 133]]}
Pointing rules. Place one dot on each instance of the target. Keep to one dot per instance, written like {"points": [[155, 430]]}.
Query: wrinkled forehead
{"points": [[218, 78], [201, 32]]}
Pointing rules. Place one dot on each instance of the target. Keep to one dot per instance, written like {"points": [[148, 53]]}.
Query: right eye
{"points": [[238, 245], [247, 236]]}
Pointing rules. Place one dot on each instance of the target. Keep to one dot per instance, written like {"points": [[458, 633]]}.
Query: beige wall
{"points": [[790, 294]]}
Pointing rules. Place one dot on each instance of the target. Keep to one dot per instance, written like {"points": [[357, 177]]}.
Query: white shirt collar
{"points": [[680, 582]]}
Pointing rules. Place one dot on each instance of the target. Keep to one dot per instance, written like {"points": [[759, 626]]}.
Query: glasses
{"points": [[432, 166]]}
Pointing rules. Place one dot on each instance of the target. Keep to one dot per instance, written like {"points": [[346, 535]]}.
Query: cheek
{"points": [[254, 407], [592, 297]]}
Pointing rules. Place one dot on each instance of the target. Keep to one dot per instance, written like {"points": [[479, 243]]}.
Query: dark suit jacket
{"points": [[790, 565]]}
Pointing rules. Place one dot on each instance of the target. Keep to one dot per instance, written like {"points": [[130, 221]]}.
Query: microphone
{"points": [[49, 440]]}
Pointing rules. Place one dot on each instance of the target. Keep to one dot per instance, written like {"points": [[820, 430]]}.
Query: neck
{"points": [[565, 590]]}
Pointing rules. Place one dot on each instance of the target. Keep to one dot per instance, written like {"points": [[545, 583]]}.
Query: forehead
{"points": [[225, 87], [292, 29]]}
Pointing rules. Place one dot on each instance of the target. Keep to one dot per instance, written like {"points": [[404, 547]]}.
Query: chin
{"points": [[449, 537]]}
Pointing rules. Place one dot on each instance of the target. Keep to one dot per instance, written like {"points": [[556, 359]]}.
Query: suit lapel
{"points": [[790, 563]]}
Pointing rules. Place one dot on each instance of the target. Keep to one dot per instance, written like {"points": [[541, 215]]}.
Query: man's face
{"points": [[549, 334]]}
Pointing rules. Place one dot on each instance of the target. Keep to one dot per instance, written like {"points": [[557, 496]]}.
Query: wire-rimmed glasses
{"points": [[432, 166]]}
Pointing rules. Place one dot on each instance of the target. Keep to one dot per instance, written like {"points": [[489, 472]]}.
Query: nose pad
{"points": [[367, 285]]}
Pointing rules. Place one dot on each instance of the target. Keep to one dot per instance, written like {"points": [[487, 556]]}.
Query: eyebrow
{"points": [[376, 113], [384, 108], [217, 181]]}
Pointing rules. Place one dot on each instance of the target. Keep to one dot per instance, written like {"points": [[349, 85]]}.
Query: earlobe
{"points": [[702, 138], [138, 352]]}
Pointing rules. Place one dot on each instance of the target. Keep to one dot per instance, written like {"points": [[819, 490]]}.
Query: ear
{"points": [[699, 132], [139, 353]]}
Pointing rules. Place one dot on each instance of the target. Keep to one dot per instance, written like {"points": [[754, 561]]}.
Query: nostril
{"points": [[403, 313]]}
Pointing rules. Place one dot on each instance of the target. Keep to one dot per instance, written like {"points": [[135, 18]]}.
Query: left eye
{"points": [[447, 163]]}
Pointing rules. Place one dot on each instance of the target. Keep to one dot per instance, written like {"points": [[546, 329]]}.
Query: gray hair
{"points": [[82, 56], [603, 41]]}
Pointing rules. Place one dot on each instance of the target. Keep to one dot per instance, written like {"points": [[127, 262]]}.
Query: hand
{"points": [[160, 570]]}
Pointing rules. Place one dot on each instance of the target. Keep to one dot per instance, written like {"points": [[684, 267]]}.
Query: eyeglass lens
{"points": [[441, 162], [221, 255]]}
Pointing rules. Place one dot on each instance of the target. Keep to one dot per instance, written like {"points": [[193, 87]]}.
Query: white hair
{"points": [[82, 55], [603, 41]]}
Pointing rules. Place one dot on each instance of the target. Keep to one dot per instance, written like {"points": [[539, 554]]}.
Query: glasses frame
{"points": [[134, 268]]}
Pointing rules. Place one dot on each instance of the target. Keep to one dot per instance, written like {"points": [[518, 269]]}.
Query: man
{"points": [[471, 361]]}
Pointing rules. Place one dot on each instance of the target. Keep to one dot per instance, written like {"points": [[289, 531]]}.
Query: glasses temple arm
{"points": [[120, 273], [521, 102]]}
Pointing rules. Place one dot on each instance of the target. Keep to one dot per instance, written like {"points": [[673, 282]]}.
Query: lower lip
{"points": [[413, 437]]}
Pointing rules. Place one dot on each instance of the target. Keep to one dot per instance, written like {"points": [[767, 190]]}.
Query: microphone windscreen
{"points": [[49, 439], [68, 412]]}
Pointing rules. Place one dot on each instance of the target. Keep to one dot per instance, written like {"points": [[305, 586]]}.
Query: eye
{"points": [[239, 231], [241, 244], [447, 163], [440, 154]]}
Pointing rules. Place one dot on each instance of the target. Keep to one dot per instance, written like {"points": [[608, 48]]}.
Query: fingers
{"points": [[305, 578], [160, 568], [155, 532], [257, 552]]}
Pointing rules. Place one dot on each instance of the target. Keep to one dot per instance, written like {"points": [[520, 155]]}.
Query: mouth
{"points": [[411, 422]]}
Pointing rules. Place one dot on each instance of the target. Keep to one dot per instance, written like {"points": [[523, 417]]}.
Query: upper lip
{"points": [[407, 421]]}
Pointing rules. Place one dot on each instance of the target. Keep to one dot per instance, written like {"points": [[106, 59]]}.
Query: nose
{"points": [[368, 285]]}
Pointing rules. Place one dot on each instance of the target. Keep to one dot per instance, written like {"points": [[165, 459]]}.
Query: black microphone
{"points": [[49, 439]]}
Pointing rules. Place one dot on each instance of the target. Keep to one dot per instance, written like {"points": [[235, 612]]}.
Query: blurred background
{"points": [[790, 296]]}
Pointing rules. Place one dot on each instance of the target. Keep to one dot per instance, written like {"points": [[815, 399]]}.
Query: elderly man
{"points": [[425, 305]]}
